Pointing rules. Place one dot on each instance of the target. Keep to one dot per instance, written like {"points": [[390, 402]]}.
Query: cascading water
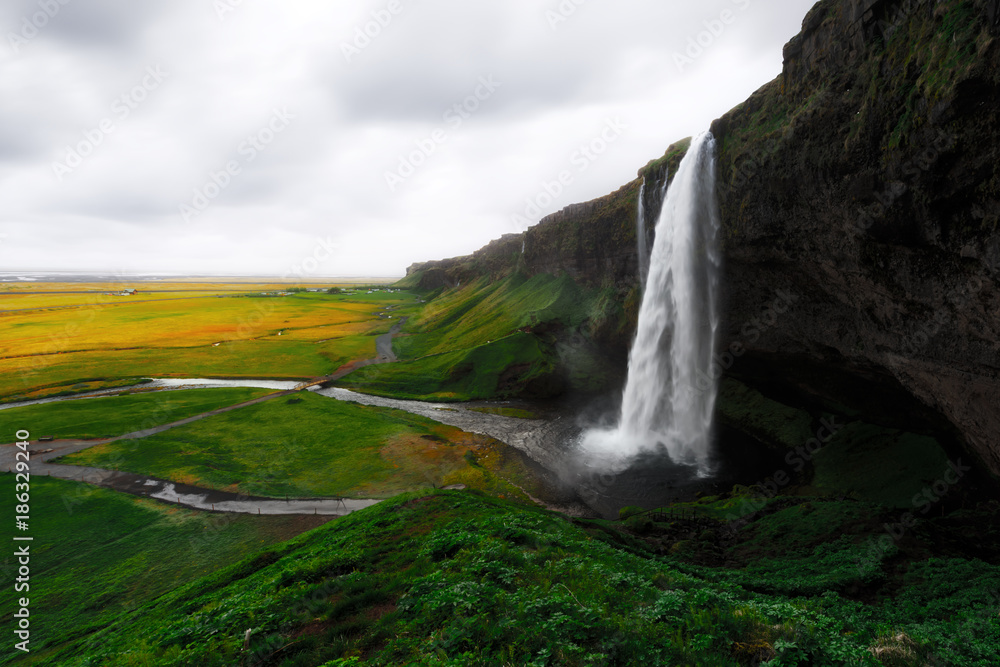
{"points": [[669, 397], [641, 233]]}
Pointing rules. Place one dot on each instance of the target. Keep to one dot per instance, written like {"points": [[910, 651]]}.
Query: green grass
{"points": [[496, 339], [82, 387], [504, 368], [767, 420], [98, 555], [113, 416], [878, 464], [489, 310], [266, 358], [302, 446], [458, 579]]}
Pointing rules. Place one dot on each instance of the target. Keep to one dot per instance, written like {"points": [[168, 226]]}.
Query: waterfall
{"points": [[643, 235], [641, 232], [669, 397]]}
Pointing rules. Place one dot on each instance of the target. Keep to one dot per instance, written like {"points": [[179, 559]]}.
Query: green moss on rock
{"points": [[770, 422]]}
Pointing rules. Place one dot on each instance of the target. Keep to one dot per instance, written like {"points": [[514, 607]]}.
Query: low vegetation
{"points": [[98, 555], [456, 578]]}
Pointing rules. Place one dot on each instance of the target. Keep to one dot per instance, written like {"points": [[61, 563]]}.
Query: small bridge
{"points": [[315, 382]]}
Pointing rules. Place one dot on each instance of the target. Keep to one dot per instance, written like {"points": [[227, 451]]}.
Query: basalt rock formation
{"points": [[860, 190]]}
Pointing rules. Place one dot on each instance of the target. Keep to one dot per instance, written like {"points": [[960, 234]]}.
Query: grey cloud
{"points": [[114, 24], [324, 176]]}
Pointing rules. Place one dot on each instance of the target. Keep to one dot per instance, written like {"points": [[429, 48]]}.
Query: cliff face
{"points": [[866, 181], [594, 242], [860, 195]]}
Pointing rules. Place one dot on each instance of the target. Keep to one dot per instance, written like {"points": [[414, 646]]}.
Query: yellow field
{"points": [[217, 330]]}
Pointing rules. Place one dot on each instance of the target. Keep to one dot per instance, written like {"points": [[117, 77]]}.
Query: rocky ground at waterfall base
{"points": [[460, 578]]}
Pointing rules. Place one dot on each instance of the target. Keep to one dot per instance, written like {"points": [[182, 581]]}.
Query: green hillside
{"points": [[456, 578]]}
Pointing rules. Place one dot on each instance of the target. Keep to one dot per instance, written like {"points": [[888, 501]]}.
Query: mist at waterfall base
{"points": [[663, 432], [669, 397]]}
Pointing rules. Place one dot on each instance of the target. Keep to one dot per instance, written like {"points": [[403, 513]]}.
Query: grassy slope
{"points": [[487, 310], [306, 445], [98, 555], [116, 415], [459, 579], [497, 369], [487, 339]]}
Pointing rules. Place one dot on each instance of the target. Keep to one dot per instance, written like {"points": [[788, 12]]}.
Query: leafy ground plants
{"points": [[98, 555], [456, 578]]}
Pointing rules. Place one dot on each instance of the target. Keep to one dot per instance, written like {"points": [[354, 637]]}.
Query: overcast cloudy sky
{"points": [[244, 137]]}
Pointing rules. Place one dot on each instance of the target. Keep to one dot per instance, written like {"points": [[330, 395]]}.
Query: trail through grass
{"points": [[112, 416]]}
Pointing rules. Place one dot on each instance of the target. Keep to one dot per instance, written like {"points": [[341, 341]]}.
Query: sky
{"points": [[326, 139]]}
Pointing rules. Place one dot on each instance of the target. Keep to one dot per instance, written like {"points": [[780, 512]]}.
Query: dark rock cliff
{"points": [[860, 195], [866, 181]]}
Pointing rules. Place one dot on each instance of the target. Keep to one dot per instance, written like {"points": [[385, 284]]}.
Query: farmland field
{"points": [[54, 336]]}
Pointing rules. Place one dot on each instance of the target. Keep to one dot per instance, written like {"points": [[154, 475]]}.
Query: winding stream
{"points": [[528, 436]]}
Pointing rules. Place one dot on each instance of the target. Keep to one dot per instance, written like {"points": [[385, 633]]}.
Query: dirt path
{"points": [[383, 344], [383, 351], [56, 448], [145, 433]]}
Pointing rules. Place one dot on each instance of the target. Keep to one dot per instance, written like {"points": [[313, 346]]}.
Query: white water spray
{"points": [[670, 395]]}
